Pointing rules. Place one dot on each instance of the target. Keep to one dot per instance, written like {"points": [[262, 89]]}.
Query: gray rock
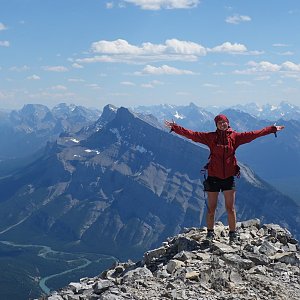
{"points": [[102, 285], [237, 261], [265, 265], [251, 223], [267, 249]]}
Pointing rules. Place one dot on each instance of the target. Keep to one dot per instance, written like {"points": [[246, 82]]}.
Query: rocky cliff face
{"points": [[263, 264]]}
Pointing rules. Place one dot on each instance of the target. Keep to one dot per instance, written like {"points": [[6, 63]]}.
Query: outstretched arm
{"points": [[200, 137], [247, 137]]}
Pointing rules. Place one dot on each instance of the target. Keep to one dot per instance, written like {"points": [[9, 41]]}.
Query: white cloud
{"points": [[164, 4], [77, 66], [59, 88], [228, 47], [121, 51], [280, 45], [4, 44], [127, 83], [75, 80], [34, 77], [55, 68], [2, 26], [19, 69], [115, 47], [109, 5], [94, 86], [185, 47], [165, 70], [210, 85], [236, 19], [152, 84], [267, 67], [247, 83], [290, 66], [264, 66]]}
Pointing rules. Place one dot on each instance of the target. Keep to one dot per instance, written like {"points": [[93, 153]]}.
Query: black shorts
{"points": [[215, 184]]}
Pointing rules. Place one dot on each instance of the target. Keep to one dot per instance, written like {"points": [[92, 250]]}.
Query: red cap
{"points": [[221, 118]]}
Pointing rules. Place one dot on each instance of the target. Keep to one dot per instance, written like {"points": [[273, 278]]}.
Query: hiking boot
{"points": [[233, 237], [210, 235]]}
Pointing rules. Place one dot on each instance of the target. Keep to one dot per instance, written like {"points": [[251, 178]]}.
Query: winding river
{"points": [[48, 253]]}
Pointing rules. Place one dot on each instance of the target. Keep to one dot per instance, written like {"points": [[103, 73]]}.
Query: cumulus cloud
{"points": [[164, 4], [4, 43], [236, 19], [121, 51], [268, 67], [165, 70], [230, 48], [55, 68], [290, 66], [34, 77]]}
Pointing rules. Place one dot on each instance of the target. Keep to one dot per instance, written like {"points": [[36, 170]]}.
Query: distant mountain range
{"points": [[29, 129], [121, 186], [188, 113]]}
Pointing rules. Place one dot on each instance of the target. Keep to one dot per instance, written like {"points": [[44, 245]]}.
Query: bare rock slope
{"points": [[263, 264]]}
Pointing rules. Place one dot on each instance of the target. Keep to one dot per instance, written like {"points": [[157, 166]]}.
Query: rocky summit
{"points": [[263, 264]]}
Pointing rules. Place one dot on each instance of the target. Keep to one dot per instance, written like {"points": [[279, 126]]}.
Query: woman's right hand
{"points": [[169, 124]]}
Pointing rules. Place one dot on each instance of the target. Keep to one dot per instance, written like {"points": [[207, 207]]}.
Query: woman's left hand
{"points": [[279, 127]]}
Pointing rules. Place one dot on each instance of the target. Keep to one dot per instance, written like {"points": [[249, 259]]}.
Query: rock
{"points": [[102, 285], [265, 265], [173, 265], [267, 249], [154, 254], [137, 273], [221, 248], [237, 261], [251, 223], [194, 275], [287, 258], [258, 259]]}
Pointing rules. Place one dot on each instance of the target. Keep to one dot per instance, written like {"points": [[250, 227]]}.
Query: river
{"points": [[82, 260]]}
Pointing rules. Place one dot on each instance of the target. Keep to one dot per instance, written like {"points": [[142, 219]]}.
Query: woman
{"points": [[222, 166]]}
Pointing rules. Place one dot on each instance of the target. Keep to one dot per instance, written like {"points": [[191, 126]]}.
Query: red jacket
{"points": [[222, 145]]}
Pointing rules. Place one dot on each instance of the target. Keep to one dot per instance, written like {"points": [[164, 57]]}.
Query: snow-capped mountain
{"points": [[284, 110]]}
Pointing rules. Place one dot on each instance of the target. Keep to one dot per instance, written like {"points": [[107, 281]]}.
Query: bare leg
{"points": [[212, 201], [229, 204]]}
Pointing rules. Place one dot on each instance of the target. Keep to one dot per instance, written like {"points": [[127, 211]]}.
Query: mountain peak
{"points": [[264, 262]]}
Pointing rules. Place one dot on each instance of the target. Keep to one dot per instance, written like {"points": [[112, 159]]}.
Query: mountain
{"points": [[274, 159], [265, 264], [27, 130], [277, 160], [283, 110], [129, 185], [190, 116]]}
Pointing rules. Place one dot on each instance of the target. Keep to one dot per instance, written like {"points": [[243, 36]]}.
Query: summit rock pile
{"points": [[263, 264]]}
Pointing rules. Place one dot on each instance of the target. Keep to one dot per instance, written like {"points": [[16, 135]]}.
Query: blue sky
{"points": [[144, 52]]}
